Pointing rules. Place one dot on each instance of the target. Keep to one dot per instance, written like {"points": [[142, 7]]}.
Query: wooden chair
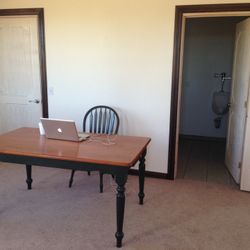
{"points": [[100, 120]]}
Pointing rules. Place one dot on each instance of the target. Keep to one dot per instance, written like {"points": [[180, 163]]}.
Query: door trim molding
{"points": [[180, 11], [39, 12]]}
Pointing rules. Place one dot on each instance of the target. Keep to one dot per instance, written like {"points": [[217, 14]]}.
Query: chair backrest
{"points": [[101, 120]]}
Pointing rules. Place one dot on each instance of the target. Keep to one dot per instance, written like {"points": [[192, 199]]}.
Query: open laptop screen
{"points": [[61, 130]]}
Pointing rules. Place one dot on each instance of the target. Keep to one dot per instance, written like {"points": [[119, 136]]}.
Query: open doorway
{"points": [[209, 48], [182, 14]]}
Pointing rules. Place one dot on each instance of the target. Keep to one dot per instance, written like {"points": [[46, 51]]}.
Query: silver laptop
{"points": [[62, 130]]}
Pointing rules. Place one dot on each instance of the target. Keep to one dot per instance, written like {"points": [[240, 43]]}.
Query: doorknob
{"points": [[35, 101]]}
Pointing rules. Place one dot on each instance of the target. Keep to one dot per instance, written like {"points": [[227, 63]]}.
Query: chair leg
{"points": [[101, 181], [71, 178], [88, 172]]}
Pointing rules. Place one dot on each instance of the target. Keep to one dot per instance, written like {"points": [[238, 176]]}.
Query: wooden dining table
{"points": [[114, 155]]}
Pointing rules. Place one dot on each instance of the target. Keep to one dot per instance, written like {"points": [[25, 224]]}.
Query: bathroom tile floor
{"points": [[203, 160]]}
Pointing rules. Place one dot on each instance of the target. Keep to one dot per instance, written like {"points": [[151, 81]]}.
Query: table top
{"points": [[115, 150]]}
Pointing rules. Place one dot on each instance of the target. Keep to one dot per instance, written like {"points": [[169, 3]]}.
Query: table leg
{"points": [[29, 179], [141, 177], [120, 205]]}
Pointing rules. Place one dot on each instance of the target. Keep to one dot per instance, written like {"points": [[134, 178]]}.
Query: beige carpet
{"points": [[176, 215]]}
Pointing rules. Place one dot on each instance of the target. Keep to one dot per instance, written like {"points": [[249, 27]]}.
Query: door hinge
{"points": [[240, 164]]}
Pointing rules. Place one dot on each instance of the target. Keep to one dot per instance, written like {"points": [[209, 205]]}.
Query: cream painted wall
{"points": [[113, 52]]}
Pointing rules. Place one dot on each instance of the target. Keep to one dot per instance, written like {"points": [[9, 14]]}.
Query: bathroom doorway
{"points": [[208, 59], [182, 14]]}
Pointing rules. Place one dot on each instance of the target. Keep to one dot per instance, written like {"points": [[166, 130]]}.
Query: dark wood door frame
{"points": [[41, 40], [180, 11]]}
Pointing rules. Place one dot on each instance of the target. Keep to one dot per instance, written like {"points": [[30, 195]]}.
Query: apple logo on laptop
{"points": [[59, 130]]}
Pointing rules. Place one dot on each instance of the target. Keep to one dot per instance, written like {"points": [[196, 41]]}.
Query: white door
{"points": [[20, 82], [239, 100]]}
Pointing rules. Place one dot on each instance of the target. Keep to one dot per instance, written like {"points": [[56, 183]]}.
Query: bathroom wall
{"points": [[209, 48]]}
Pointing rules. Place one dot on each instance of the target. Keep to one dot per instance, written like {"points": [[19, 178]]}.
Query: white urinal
{"points": [[220, 106], [220, 102]]}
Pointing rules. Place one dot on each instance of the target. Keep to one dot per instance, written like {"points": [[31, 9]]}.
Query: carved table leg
{"points": [[141, 177], [120, 205], [29, 179]]}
